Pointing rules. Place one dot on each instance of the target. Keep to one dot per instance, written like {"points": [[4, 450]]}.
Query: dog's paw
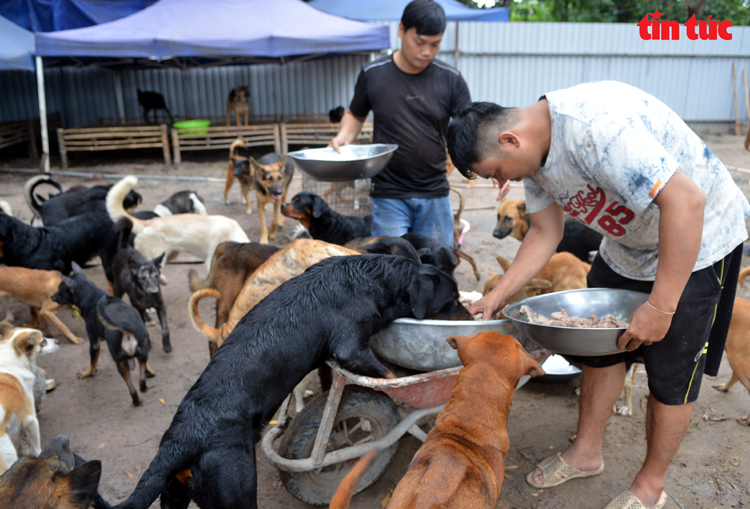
{"points": [[167, 348], [624, 410], [86, 373], [76, 340], [144, 387], [721, 387], [745, 421]]}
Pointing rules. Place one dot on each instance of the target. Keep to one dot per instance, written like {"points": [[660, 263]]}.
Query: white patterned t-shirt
{"points": [[613, 148]]}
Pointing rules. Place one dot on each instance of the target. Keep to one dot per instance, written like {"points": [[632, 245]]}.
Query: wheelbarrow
{"points": [[321, 444]]}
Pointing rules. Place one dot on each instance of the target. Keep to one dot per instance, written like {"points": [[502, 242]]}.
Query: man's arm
{"points": [[351, 125], [545, 232], [681, 205]]}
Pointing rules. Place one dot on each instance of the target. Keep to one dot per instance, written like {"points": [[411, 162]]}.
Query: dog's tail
{"points": [[238, 143], [743, 274], [123, 228], [346, 489], [5, 207], [116, 196], [211, 333], [31, 185]]}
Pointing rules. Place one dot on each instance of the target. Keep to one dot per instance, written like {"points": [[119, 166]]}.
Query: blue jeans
{"points": [[431, 217]]}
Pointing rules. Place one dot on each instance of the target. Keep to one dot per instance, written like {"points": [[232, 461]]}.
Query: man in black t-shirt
{"points": [[412, 96]]}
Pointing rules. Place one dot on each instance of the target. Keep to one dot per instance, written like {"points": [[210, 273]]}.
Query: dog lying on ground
{"points": [[330, 311], [232, 264], [55, 247], [272, 175], [56, 479], [323, 222], [462, 461], [237, 102], [432, 252], [181, 202], [153, 101], [139, 278], [513, 220], [75, 201], [110, 319], [35, 289], [19, 427], [240, 167], [381, 244], [195, 233]]}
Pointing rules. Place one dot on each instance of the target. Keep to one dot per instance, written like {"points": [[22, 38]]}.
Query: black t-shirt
{"points": [[412, 111]]}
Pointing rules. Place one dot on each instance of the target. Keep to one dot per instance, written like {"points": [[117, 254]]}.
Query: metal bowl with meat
{"points": [[571, 340]]}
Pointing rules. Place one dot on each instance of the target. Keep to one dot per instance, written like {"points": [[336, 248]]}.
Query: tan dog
{"points": [[289, 262], [272, 175], [738, 345], [512, 219], [35, 289], [240, 167], [195, 233], [237, 102], [458, 230], [462, 461]]}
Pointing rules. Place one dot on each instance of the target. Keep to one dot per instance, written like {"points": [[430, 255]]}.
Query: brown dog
{"points": [[35, 289], [239, 166], [512, 219], [272, 175], [738, 345], [237, 102], [462, 461], [289, 262]]}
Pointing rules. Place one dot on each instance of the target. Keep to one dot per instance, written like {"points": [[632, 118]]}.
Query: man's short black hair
{"points": [[426, 16], [465, 132]]}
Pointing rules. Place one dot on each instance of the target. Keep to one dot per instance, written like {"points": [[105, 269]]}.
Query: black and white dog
{"points": [[182, 202]]}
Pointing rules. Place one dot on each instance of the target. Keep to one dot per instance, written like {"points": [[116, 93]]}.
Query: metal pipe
{"points": [[113, 176], [42, 113]]}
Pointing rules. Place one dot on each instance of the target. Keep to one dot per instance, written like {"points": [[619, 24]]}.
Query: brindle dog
{"points": [[271, 177]]}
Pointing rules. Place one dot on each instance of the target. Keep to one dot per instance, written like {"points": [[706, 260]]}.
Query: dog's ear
{"points": [[454, 341], [522, 210], [530, 366], [157, 261], [504, 264], [69, 283], [76, 268], [83, 483], [319, 206], [281, 164], [28, 342]]}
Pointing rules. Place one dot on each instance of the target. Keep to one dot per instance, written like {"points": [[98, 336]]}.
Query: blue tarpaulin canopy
{"points": [[16, 47], [217, 29], [52, 15], [391, 10]]}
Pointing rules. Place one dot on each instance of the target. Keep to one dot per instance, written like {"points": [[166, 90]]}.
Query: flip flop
{"points": [[627, 500], [556, 471]]}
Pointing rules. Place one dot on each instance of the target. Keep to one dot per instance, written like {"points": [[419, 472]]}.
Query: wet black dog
{"points": [[57, 479], [110, 319], [382, 244], [139, 278], [152, 101], [56, 247], [432, 252], [328, 312], [324, 223]]}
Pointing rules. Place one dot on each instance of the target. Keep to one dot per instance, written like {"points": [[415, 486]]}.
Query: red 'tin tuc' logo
{"points": [[658, 29]]}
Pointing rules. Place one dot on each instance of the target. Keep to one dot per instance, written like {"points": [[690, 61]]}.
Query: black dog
{"points": [[336, 114], [139, 278], [328, 312], [579, 240], [152, 101], [324, 223], [55, 247], [385, 245], [181, 202], [112, 320], [432, 252]]}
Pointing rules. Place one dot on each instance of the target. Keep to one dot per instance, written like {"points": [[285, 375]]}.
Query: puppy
{"points": [[513, 220], [432, 252], [323, 222], [112, 320], [195, 233], [462, 461], [181, 202], [329, 311], [19, 428], [35, 289], [237, 102], [153, 101], [239, 166], [56, 479], [272, 176], [139, 278]]}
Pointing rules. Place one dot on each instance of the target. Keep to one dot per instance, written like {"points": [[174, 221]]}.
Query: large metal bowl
{"points": [[571, 340], [354, 161], [420, 344]]}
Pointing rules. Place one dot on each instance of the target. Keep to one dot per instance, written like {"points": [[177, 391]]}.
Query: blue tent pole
{"points": [[42, 113]]}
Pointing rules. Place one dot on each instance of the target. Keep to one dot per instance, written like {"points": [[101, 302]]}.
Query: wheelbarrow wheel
{"points": [[364, 415]]}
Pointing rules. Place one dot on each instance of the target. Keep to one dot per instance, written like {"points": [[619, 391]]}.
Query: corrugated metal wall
{"points": [[508, 63]]}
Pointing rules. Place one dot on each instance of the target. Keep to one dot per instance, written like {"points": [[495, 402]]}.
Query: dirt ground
{"points": [[711, 468]]}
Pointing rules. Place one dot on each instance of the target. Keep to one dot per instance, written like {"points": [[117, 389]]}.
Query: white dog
{"points": [[195, 233], [19, 427]]}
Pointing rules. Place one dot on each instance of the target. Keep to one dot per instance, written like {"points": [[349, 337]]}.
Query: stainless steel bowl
{"points": [[420, 344], [572, 340], [354, 161]]}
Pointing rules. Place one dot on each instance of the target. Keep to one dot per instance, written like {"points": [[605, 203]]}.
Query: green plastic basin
{"points": [[192, 127]]}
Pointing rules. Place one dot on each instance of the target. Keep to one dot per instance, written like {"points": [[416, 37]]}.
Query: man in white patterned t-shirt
{"points": [[624, 164]]}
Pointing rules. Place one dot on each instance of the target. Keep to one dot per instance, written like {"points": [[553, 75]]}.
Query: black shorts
{"points": [[695, 340]]}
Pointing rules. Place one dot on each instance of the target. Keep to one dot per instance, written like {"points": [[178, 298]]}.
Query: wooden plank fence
{"points": [[94, 139]]}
